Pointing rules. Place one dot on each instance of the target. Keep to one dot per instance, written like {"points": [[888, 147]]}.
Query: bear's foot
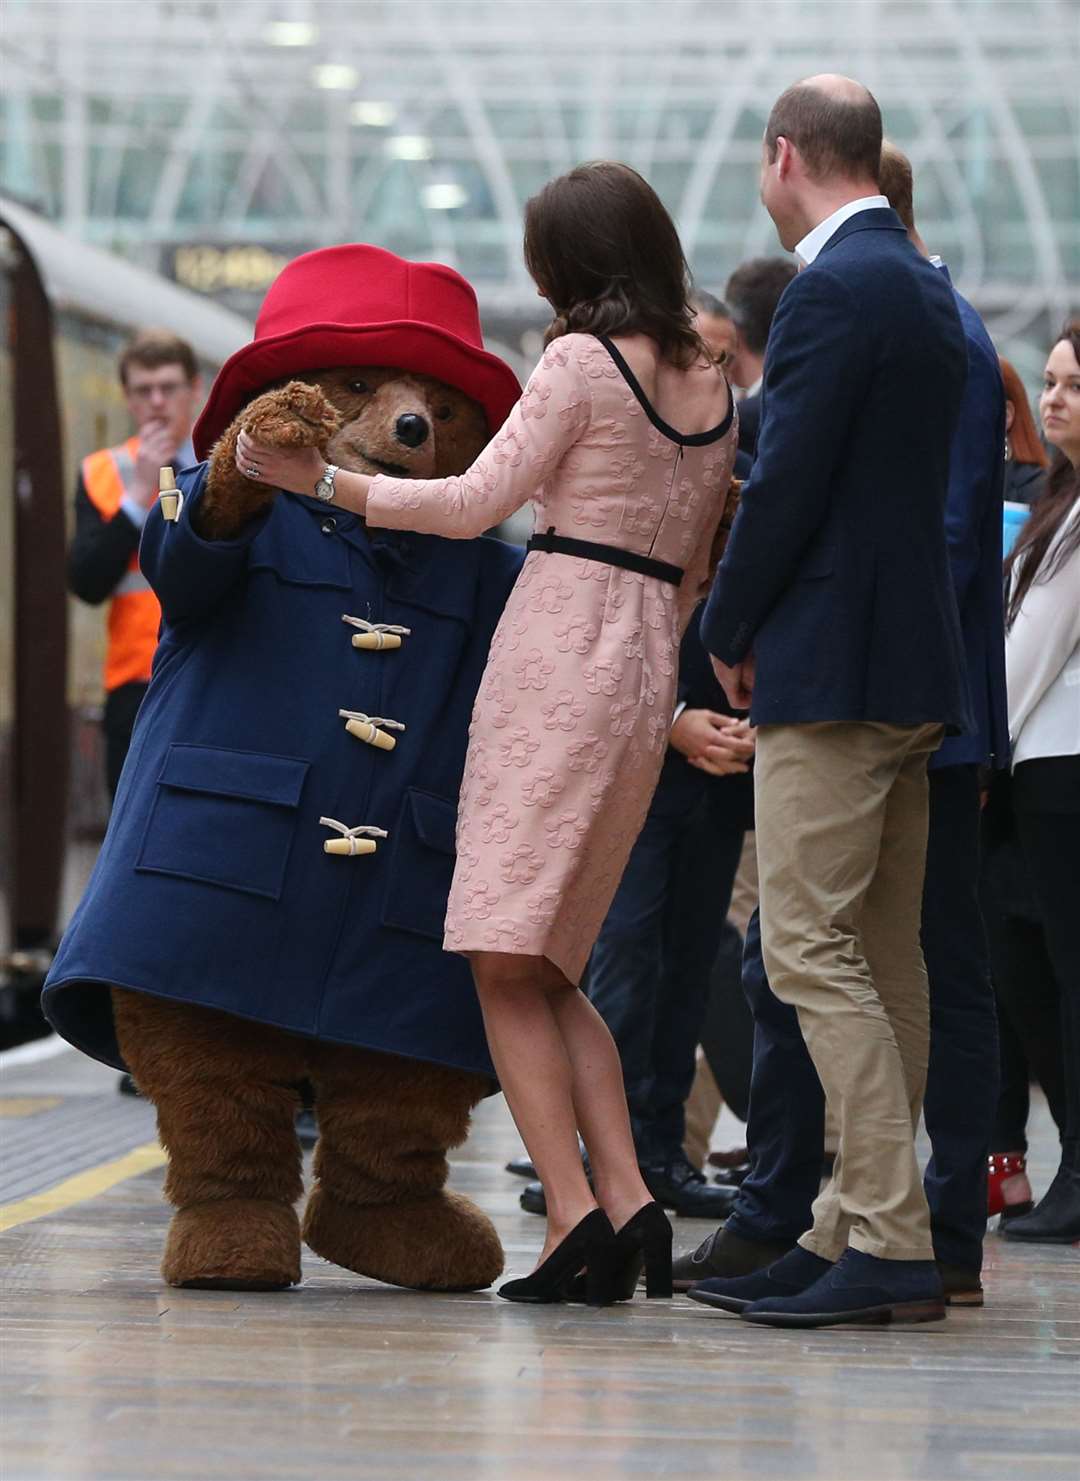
{"points": [[439, 1243], [240, 1244]]}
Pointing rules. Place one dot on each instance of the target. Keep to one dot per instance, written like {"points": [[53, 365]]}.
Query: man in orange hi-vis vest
{"points": [[115, 490]]}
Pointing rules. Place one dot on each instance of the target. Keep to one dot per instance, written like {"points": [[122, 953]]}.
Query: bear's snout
{"points": [[412, 429]]}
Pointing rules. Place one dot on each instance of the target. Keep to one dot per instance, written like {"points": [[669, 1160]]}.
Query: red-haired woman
{"points": [[1025, 456], [1042, 655]]}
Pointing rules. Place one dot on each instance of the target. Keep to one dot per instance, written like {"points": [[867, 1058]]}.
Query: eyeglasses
{"points": [[166, 389]]}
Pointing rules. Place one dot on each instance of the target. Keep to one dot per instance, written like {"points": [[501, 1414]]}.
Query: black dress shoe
{"points": [[1055, 1219], [731, 1177], [680, 1187], [522, 1167], [725, 1255]]}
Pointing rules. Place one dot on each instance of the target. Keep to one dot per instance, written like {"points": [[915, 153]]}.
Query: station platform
{"points": [[110, 1375]]}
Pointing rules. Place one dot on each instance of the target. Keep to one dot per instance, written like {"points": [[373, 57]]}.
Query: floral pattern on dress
{"points": [[573, 713]]}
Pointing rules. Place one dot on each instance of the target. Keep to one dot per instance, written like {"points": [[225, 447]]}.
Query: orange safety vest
{"points": [[134, 612]]}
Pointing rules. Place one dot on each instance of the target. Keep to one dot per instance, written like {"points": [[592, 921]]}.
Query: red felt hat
{"points": [[360, 305]]}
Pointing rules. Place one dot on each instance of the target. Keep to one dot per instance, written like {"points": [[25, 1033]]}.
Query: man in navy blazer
{"points": [[833, 618], [785, 1129]]}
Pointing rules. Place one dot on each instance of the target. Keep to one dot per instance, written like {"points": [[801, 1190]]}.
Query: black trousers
{"points": [[1047, 803], [121, 707], [785, 1131], [649, 973]]}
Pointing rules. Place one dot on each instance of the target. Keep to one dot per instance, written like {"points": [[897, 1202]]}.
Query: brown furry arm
{"points": [[294, 415]]}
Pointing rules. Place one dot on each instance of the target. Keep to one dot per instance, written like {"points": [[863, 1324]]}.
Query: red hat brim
{"points": [[423, 349]]}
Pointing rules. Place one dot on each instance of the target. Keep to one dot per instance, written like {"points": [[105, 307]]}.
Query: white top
{"points": [[813, 241], [1042, 662]]}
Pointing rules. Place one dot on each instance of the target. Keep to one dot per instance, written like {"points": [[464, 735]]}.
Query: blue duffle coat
{"points": [[212, 886]]}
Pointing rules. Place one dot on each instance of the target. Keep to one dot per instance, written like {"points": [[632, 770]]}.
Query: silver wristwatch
{"points": [[324, 489]]}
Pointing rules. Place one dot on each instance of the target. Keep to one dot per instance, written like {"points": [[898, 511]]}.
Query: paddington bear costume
{"points": [[219, 952]]}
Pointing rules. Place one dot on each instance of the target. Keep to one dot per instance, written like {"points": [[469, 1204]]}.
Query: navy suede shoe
{"points": [[859, 1288], [789, 1275]]}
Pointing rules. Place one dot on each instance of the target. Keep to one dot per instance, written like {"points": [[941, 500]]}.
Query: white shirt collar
{"points": [[813, 241]]}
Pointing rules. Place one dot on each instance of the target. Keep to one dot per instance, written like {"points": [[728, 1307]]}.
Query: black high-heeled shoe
{"points": [[590, 1247], [643, 1241]]}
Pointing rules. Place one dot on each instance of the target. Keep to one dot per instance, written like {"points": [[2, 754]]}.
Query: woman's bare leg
{"points": [[600, 1106], [531, 1060]]}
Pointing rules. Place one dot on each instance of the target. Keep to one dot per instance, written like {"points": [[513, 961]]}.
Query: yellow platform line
{"points": [[83, 1186]]}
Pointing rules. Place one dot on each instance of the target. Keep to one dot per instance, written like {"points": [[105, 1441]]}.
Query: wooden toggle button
{"points": [[371, 729], [353, 841], [350, 846], [365, 731], [169, 496], [375, 637], [376, 642]]}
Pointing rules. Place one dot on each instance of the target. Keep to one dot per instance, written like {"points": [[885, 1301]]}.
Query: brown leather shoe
{"points": [[961, 1287]]}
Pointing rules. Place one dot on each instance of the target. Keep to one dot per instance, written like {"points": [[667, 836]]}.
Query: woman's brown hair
{"points": [[605, 253], [1027, 561], [1024, 441]]}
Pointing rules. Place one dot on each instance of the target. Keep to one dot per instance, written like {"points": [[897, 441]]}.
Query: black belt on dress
{"points": [[608, 555]]}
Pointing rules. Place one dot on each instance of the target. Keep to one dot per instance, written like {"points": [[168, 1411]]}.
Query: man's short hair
{"points": [[834, 136], [152, 348], [708, 303], [898, 183], [752, 293]]}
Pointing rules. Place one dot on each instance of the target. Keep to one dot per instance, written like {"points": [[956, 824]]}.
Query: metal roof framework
{"points": [[426, 124]]}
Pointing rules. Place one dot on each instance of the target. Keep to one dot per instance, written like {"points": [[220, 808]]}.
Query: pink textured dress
{"points": [[573, 714]]}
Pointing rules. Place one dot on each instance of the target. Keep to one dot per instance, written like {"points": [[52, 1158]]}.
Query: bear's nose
{"points": [[411, 429]]}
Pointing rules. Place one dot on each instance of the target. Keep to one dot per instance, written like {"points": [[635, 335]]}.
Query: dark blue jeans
{"points": [[650, 969], [786, 1126]]}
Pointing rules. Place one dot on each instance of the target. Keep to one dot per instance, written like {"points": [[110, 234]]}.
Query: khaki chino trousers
{"points": [[842, 816]]}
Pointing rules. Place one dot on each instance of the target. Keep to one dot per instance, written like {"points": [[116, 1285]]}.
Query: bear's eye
{"points": [[444, 413], [360, 387]]}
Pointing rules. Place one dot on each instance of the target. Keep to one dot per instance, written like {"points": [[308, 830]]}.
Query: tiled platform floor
{"points": [[109, 1374]]}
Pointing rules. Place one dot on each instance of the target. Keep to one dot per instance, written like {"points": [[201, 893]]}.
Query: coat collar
{"points": [[877, 218]]}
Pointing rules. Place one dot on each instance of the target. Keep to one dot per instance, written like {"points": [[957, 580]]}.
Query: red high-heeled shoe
{"points": [[1008, 1191]]}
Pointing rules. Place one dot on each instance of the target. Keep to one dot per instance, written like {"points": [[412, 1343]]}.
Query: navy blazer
{"points": [[973, 529], [212, 886], [836, 575]]}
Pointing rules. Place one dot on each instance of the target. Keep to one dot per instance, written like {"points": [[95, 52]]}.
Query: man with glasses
{"points": [[115, 491]]}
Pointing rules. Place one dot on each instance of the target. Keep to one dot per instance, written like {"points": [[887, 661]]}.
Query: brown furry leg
{"points": [[225, 1096], [379, 1206]]}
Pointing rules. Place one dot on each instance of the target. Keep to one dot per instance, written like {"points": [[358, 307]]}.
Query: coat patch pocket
{"points": [[224, 818], [422, 865]]}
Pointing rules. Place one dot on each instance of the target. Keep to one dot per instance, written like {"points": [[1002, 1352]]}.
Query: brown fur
{"points": [[352, 427], [226, 1092]]}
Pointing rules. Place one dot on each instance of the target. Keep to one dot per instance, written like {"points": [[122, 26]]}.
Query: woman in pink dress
{"points": [[624, 440]]}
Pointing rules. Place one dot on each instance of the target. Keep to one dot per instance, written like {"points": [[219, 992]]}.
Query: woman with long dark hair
{"points": [[625, 440], [1042, 654]]}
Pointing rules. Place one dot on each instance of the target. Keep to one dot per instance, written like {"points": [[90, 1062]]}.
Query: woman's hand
{"points": [[717, 744], [296, 470]]}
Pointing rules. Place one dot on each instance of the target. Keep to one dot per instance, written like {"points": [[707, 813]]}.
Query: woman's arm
{"points": [[1045, 633], [550, 417]]}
